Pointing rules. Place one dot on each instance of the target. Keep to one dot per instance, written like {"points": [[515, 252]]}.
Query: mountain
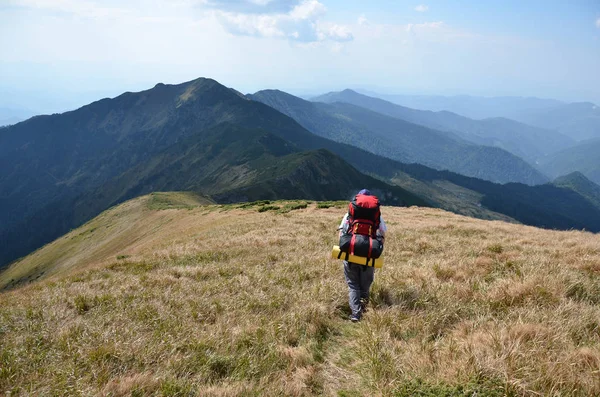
{"points": [[583, 157], [474, 107], [577, 182], [58, 171], [527, 142], [579, 121], [53, 165], [227, 162], [166, 296], [400, 140]]}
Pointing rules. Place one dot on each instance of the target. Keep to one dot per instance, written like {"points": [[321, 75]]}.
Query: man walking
{"points": [[359, 277]]}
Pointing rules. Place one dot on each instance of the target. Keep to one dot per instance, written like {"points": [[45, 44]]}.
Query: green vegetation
{"points": [[268, 208], [329, 204], [476, 387], [164, 201], [577, 182]]}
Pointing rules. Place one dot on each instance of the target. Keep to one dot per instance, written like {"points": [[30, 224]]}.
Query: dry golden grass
{"points": [[225, 301]]}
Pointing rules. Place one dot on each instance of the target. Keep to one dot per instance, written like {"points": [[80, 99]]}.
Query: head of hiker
{"points": [[362, 233]]}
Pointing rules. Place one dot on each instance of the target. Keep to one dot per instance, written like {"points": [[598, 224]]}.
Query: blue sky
{"points": [[60, 54]]}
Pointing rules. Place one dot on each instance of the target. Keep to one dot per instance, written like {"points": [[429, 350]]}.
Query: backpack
{"points": [[363, 219]]}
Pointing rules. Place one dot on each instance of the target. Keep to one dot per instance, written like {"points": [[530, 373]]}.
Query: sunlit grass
{"points": [[229, 300]]}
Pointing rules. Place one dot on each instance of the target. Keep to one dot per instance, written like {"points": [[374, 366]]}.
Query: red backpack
{"points": [[363, 219], [364, 215]]}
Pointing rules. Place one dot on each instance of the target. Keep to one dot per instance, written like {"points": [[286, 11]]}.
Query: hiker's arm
{"points": [[344, 225], [382, 228]]}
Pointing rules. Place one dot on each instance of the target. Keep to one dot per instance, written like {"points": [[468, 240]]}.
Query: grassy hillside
{"points": [[226, 300], [122, 227]]}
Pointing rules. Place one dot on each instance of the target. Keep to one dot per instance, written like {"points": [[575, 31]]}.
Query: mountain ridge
{"points": [[523, 140], [471, 106], [401, 140]]}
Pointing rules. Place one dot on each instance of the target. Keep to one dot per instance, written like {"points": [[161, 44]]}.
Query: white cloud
{"points": [[362, 20], [421, 8], [418, 27], [598, 23], [335, 32], [301, 23], [308, 9], [253, 25]]}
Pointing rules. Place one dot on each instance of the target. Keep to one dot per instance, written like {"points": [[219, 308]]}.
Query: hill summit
{"points": [[169, 295]]}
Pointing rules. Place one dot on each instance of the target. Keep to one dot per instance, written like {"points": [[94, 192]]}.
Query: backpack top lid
{"points": [[366, 201], [364, 215]]}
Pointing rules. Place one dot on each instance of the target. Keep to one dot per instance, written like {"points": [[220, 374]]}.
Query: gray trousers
{"points": [[359, 279]]}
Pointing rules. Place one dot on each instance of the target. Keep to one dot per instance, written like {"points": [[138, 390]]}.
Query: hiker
{"points": [[360, 277]]}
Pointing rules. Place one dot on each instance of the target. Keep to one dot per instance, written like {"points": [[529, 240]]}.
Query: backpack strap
{"points": [[352, 242], [340, 255]]}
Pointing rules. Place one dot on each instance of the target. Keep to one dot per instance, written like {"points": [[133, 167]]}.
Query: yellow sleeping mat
{"points": [[360, 260]]}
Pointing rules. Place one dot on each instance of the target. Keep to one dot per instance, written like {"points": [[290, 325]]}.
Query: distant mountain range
{"points": [[474, 107], [553, 152], [58, 171], [358, 123], [579, 121], [525, 141]]}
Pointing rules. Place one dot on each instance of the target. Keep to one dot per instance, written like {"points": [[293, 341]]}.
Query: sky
{"points": [[57, 55]]}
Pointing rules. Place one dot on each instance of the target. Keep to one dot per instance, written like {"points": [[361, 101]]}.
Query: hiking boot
{"points": [[355, 318]]}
